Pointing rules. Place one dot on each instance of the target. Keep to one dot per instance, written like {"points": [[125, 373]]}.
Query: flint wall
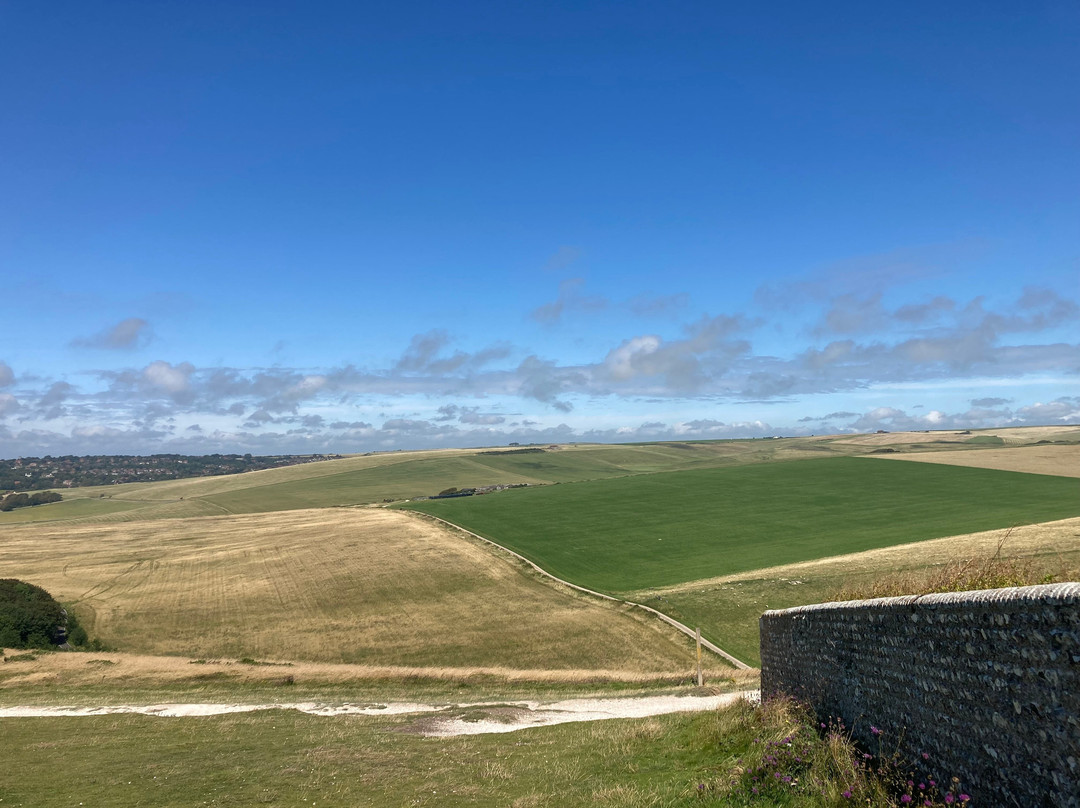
{"points": [[987, 684]]}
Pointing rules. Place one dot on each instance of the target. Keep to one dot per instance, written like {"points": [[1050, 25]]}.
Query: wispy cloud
{"points": [[569, 299], [658, 305], [562, 259], [134, 332]]}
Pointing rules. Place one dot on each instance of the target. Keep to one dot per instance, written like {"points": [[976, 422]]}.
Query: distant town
{"points": [[39, 473]]}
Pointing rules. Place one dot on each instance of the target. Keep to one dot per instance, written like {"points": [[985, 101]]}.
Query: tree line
{"points": [[71, 471], [13, 501]]}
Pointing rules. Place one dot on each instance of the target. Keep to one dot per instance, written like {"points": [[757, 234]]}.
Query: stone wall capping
{"points": [[1059, 594]]}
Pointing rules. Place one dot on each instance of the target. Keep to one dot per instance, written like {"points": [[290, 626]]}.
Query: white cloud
{"points": [[933, 345], [1063, 410], [631, 358], [174, 380]]}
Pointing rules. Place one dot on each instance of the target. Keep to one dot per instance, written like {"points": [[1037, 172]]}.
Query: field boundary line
{"points": [[738, 663]]}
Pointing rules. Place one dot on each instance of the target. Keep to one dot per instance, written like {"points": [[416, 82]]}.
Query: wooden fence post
{"points": [[700, 680]]}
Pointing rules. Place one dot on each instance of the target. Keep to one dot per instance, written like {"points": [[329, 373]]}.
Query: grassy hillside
{"points": [[364, 586], [374, 478], [622, 518], [662, 529], [397, 475], [728, 607]]}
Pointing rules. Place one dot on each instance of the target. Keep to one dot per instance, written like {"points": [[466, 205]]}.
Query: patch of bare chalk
{"points": [[480, 718]]}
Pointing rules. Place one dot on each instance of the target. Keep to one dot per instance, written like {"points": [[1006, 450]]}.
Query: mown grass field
{"points": [[657, 530], [374, 478], [67, 510], [360, 586]]}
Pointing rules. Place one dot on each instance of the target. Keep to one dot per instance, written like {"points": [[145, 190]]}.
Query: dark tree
{"points": [[29, 616]]}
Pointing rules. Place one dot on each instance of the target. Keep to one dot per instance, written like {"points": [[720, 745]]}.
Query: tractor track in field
{"points": [[738, 663]]}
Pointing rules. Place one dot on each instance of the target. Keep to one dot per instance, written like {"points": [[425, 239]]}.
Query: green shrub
{"points": [[76, 634], [29, 616], [13, 501]]}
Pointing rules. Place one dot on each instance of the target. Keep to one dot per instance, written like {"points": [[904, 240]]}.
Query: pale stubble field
{"points": [[363, 587]]}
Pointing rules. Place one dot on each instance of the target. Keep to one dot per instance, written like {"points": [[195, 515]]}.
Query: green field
{"points": [[655, 530], [67, 509], [374, 478], [365, 479], [284, 758]]}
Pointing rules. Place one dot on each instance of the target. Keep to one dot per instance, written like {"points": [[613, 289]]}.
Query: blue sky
{"points": [[331, 227]]}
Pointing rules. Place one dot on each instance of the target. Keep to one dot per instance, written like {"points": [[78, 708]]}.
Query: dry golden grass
{"points": [[169, 490], [1048, 540], [1063, 461], [1028, 434], [127, 670], [892, 438], [1011, 435], [360, 586], [980, 571]]}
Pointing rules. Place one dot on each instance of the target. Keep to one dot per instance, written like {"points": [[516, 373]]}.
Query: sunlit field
{"points": [[662, 529], [359, 586]]}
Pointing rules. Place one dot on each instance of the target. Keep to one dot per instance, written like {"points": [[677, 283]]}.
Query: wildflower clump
{"points": [[793, 760], [907, 787], [788, 757]]}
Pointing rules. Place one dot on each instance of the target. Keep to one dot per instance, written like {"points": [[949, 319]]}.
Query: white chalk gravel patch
{"points": [[511, 716]]}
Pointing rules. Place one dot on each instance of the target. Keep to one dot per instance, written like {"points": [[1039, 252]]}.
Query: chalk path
{"points": [[438, 720]]}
